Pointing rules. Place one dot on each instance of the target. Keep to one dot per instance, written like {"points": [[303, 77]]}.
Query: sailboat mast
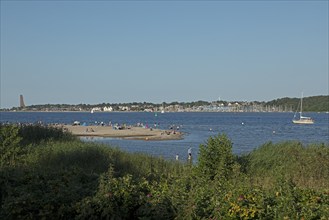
{"points": [[301, 105]]}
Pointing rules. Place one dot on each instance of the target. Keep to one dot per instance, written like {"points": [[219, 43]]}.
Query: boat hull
{"points": [[303, 121]]}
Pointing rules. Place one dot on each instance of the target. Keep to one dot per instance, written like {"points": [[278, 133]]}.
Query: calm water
{"points": [[246, 130]]}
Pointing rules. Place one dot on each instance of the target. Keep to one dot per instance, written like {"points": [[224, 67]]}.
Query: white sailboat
{"points": [[302, 119]]}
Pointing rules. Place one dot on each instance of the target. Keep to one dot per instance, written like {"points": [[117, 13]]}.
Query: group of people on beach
{"points": [[90, 130]]}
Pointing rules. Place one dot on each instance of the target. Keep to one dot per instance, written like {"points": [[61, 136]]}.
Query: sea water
{"points": [[247, 131]]}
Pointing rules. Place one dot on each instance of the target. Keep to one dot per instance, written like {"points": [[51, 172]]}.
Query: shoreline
{"points": [[131, 133]]}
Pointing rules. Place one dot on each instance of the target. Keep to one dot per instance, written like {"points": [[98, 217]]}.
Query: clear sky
{"points": [[162, 51]]}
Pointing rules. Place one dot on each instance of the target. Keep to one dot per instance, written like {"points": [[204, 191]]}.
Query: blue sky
{"points": [[134, 51]]}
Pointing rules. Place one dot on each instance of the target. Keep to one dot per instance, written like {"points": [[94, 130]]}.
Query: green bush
{"points": [[10, 149], [307, 166], [124, 198], [31, 194], [34, 134], [215, 158]]}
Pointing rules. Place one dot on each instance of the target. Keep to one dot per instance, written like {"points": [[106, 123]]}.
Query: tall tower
{"points": [[21, 101]]}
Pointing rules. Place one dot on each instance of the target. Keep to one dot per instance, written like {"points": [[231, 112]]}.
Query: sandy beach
{"points": [[136, 133]]}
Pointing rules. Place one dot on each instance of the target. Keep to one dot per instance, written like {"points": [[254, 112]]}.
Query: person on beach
{"points": [[189, 152], [177, 156]]}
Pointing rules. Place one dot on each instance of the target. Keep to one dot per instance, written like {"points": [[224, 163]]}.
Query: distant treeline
{"points": [[310, 104]]}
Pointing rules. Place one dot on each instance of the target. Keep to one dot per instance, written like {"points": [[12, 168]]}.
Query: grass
{"points": [[307, 166]]}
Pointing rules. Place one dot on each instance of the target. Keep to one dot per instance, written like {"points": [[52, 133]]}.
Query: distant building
{"points": [[21, 102], [107, 109], [125, 108]]}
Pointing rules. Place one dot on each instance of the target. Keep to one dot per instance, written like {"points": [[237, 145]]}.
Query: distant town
{"points": [[314, 103]]}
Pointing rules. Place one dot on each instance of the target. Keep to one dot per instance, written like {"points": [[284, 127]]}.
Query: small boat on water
{"points": [[302, 119]]}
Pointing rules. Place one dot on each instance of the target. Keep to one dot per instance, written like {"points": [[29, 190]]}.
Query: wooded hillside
{"points": [[310, 104]]}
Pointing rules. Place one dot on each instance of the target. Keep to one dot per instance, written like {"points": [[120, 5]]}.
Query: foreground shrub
{"points": [[215, 158], [43, 194], [306, 166], [34, 134], [10, 149], [124, 198]]}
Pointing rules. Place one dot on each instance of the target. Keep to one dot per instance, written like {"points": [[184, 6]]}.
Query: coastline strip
{"points": [[136, 133]]}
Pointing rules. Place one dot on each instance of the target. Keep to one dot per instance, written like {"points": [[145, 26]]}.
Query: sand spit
{"points": [[136, 133]]}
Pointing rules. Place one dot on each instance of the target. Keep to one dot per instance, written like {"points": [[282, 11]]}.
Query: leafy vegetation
{"points": [[50, 175], [215, 159]]}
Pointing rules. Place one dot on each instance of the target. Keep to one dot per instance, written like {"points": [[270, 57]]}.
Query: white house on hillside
{"points": [[107, 109]]}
